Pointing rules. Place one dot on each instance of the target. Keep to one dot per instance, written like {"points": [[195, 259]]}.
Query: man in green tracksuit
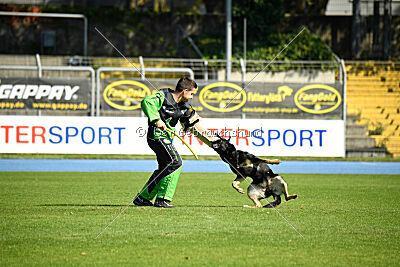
{"points": [[165, 109]]}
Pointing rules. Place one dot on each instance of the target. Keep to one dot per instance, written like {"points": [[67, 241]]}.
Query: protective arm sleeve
{"points": [[195, 124], [152, 104]]}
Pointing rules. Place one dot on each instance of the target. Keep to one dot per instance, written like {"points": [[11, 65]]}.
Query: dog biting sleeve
{"points": [[195, 125], [189, 119], [152, 104]]}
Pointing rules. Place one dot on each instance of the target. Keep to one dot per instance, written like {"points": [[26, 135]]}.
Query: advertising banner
{"points": [[45, 94], [127, 135], [314, 138], [126, 95], [271, 98], [219, 98]]}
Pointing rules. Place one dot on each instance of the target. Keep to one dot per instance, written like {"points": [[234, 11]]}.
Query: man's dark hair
{"points": [[185, 83]]}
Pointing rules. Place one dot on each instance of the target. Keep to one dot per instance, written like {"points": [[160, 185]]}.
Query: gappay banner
{"points": [[45, 94], [235, 98]]}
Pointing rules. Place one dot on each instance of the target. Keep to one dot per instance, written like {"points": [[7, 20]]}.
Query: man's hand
{"points": [[160, 124]]}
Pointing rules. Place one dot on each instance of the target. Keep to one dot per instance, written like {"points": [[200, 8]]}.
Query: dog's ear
{"points": [[229, 140]]}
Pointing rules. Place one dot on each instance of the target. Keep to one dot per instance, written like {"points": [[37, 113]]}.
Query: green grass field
{"points": [[53, 218]]}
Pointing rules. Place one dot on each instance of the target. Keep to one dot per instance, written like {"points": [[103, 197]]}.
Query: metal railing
{"points": [[213, 69], [203, 69]]}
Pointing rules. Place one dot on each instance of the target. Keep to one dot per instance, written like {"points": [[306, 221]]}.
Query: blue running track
{"points": [[118, 165]]}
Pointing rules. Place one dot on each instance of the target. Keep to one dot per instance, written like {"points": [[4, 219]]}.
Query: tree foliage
{"points": [[267, 34], [262, 16]]}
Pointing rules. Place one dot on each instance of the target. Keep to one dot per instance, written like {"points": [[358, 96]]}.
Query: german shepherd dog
{"points": [[243, 164]]}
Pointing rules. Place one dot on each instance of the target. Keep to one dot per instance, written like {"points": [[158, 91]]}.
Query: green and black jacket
{"points": [[162, 106]]}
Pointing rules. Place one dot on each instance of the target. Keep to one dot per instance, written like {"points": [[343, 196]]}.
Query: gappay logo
{"points": [[49, 92], [125, 94], [222, 97], [317, 99]]}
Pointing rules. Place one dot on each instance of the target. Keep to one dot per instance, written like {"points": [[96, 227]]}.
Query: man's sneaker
{"points": [[162, 203], [139, 201]]}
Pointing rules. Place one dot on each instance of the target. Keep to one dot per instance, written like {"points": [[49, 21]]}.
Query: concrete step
{"points": [[376, 152], [351, 119], [357, 141], [354, 129]]}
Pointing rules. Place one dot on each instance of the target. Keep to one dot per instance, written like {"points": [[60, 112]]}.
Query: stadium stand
{"points": [[373, 96]]}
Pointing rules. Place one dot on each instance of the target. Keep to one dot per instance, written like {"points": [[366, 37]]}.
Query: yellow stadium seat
{"points": [[373, 94]]}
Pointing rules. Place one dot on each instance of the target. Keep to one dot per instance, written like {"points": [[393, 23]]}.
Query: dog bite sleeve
{"points": [[195, 124]]}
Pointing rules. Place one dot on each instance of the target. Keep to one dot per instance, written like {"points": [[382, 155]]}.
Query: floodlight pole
{"points": [[355, 29], [55, 15], [244, 39], [228, 39]]}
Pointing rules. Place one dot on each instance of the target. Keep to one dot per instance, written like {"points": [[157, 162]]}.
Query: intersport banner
{"points": [[127, 135]]}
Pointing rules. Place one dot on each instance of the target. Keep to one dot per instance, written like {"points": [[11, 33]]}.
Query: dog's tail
{"points": [[272, 161], [286, 193]]}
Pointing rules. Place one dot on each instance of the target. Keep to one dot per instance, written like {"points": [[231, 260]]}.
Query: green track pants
{"points": [[162, 183]]}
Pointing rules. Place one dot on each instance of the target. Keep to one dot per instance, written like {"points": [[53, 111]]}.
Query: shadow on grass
{"points": [[133, 206], [80, 205], [207, 206]]}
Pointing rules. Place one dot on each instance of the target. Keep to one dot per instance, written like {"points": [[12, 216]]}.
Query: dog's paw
{"points": [[269, 206], [240, 190], [235, 185]]}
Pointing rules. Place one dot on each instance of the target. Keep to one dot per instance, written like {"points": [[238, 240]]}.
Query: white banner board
{"points": [[127, 135]]}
